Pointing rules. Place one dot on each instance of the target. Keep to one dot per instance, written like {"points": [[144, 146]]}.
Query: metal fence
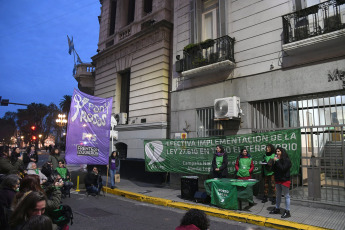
{"points": [[208, 52], [316, 20], [322, 121]]}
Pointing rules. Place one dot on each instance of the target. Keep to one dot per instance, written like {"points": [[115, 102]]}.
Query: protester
{"points": [[38, 222], [14, 158], [219, 163], [47, 170], [6, 167], [54, 157], [194, 219], [268, 174], [281, 169], [93, 182], [32, 169], [66, 177], [30, 155], [114, 166], [32, 183], [244, 165], [8, 189], [32, 203]]}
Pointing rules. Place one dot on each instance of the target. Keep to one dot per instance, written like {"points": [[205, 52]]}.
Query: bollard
{"points": [[77, 190]]}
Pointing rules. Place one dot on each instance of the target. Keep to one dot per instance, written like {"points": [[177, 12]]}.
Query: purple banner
{"points": [[88, 132]]}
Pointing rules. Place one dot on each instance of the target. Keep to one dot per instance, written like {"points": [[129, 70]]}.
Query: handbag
{"points": [[117, 178]]}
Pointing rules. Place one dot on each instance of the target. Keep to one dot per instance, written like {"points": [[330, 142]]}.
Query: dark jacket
{"points": [[27, 160], [117, 163], [6, 197], [92, 179], [281, 169], [223, 169], [6, 167]]}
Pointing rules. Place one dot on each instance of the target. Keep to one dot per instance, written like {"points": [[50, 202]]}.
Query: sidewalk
{"points": [[302, 216]]}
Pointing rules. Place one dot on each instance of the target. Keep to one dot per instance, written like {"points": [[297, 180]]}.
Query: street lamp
{"points": [[61, 121]]}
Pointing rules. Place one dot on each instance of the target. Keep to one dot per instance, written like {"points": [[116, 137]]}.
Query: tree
{"points": [[65, 104], [7, 127], [34, 114]]}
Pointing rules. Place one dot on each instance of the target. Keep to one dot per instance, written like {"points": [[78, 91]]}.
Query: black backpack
{"points": [[62, 215]]}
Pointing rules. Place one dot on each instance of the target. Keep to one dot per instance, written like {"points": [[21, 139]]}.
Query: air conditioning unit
{"points": [[121, 118], [227, 108]]}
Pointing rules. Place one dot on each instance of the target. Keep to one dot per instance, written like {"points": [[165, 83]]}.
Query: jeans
{"points": [[112, 176], [279, 189]]}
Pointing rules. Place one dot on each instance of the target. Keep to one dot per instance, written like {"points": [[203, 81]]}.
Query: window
{"points": [[131, 11], [112, 17], [208, 18], [147, 6], [206, 126], [125, 83]]}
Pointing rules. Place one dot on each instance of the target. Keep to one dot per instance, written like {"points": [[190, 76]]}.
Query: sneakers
{"points": [[264, 200], [286, 214], [275, 211]]}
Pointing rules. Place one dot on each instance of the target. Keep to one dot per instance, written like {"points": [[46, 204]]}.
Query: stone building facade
{"points": [[287, 67]]}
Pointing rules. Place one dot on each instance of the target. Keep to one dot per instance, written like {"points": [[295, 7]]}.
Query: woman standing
{"points": [[268, 174], [55, 157], [281, 169], [30, 156], [244, 165], [219, 163], [114, 166]]}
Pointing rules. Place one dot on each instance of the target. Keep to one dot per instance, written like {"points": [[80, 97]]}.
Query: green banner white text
{"points": [[195, 155]]}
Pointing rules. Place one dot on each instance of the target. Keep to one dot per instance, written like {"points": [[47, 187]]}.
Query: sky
{"points": [[34, 60]]}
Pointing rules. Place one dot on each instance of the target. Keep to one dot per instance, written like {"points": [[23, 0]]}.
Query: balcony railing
{"points": [[207, 52], [316, 20]]}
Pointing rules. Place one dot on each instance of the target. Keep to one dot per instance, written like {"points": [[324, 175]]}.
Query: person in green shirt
{"points": [[268, 174], [244, 165], [219, 163], [65, 175]]}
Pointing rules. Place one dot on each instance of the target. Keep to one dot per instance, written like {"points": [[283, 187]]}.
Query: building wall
{"points": [[145, 52], [258, 30]]}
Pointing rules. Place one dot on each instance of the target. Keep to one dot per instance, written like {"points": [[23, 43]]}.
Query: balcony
{"points": [[206, 62], [85, 77], [317, 26], [207, 52]]}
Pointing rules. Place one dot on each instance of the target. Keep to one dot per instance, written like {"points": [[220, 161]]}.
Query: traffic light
{"points": [[33, 128], [33, 138], [4, 102]]}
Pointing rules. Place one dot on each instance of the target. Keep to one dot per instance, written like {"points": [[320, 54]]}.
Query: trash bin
{"points": [[189, 185]]}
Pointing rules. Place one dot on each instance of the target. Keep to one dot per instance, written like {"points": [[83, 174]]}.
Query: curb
{"points": [[217, 212]]}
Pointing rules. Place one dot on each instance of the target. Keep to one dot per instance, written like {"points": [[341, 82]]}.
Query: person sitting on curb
{"points": [[93, 182]]}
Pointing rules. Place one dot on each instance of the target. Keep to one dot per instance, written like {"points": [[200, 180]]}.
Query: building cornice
{"points": [[134, 38]]}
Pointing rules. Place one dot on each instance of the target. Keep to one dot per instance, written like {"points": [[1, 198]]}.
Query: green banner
{"points": [[195, 155]]}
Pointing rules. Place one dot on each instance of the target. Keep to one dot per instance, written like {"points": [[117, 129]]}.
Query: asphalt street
{"points": [[116, 212]]}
